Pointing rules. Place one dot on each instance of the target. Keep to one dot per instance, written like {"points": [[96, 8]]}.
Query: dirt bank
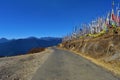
{"points": [[22, 67]]}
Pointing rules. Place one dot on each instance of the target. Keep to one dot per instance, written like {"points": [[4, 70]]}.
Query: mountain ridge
{"points": [[3, 40], [22, 46]]}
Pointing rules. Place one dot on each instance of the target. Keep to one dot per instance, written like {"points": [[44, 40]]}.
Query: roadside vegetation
{"points": [[36, 50]]}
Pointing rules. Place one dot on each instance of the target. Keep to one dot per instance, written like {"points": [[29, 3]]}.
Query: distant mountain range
{"points": [[2, 40], [22, 46]]}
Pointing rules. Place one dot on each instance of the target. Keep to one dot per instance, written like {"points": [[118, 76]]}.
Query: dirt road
{"points": [[64, 65]]}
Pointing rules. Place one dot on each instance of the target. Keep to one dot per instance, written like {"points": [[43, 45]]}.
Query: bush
{"points": [[36, 50]]}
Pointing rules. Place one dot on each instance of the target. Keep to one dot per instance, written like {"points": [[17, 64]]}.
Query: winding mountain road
{"points": [[64, 65]]}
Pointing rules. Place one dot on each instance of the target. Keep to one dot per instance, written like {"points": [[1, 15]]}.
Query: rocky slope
{"points": [[105, 48]]}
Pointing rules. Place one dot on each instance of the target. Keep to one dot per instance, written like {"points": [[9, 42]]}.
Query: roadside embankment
{"points": [[103, 50]]}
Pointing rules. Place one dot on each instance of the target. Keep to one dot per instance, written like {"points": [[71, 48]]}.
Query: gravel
{"points": [[22, 67]]}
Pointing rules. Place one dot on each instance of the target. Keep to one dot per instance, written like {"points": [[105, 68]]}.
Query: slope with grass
{"points": [[104, 50]]}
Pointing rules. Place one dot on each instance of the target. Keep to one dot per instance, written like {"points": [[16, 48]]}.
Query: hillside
{"points": [[105, 49], [22, 46]]}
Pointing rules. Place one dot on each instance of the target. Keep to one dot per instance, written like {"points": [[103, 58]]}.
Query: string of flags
{"points": [[100, 24]]}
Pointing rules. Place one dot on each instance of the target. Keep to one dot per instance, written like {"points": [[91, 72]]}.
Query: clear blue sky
{"points": [[45, 18]]}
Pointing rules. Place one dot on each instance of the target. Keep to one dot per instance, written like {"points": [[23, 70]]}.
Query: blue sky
{"points": [[47, 18]]}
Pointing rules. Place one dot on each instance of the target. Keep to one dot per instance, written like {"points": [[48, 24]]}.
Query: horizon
{"points": [[27, 38], [43, 18]]}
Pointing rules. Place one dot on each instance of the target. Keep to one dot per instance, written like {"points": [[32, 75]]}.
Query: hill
{"points": [[22, 46], [103, 50], [3, 40]]}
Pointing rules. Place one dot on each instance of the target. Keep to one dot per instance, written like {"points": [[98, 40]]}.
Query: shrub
{"points": [[36, 50]]}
